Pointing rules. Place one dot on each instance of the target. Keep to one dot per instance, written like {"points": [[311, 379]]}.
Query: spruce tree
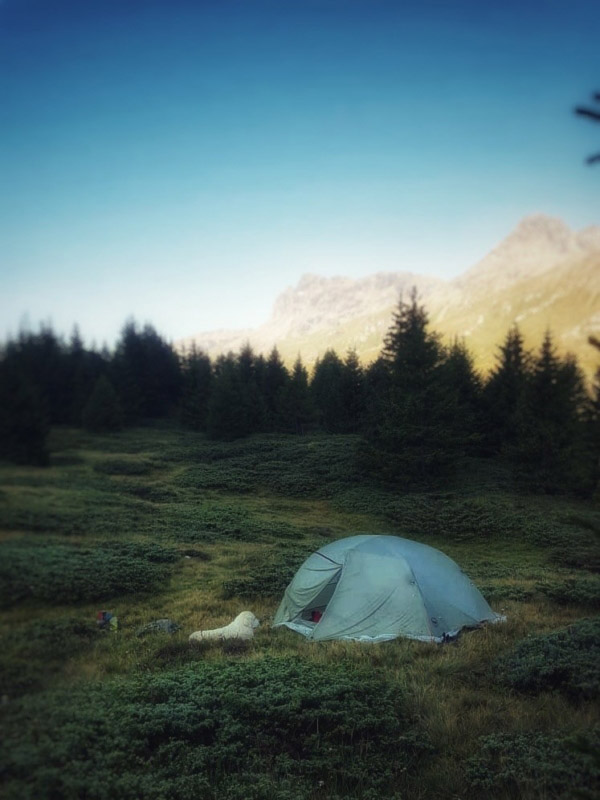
{"points": [[251, 401], [413, 435], [410, 351], [146, 373], [40, 359], [102, 413], [327, 393], [84, 367], [353, 393], [227, 417], [196, 388], [463, 382], [377, 385], [592, 430], [275, 379], [504, 393], [296, 409], [548, 453], [23, 425]]}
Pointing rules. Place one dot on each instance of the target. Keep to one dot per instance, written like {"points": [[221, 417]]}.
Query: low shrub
{"points": [[76, 510], [150, 492], [468, 518], [225, 522], [270, 577], [567, 661], [58, 573], [308, 466], [537, 765], [582, 590], [270, 582], [583, 555], [495, 591], [447, 515], [148, 509], [51, 642], [124, 466], [207, 730]]}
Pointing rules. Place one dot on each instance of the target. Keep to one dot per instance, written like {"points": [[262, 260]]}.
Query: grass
{"points": [[158, 523]]}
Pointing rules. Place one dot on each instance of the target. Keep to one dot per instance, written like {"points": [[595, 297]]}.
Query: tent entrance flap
{"points": [[321, 601], [309, 583]]}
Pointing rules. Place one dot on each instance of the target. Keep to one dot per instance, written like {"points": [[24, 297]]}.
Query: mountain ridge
{"points": [[542, 275]]}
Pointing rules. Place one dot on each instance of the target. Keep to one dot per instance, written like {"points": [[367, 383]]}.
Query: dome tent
{"points": [[376, 587]]}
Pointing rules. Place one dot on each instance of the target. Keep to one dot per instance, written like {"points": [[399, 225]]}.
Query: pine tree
{"points": [[23, 425], [77, 377], [592, 430], [549, 451], [40, 360], [353, 393], [146, 373], [102, 413], [327, 393], [296, 409], [504, 393], [227, 413], [275, 379], [377, 384], [461, 380], [252, 405], [412, 435], [83, 369], [410, 351], [197, 380]]}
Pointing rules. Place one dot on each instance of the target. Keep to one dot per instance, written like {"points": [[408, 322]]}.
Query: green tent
{"points": [[374, 588]]}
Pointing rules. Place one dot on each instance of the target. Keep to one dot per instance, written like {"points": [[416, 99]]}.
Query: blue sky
{"points": [[183, 162]]}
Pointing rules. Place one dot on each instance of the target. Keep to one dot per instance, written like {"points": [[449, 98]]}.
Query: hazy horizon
{"points": [[184, 162]]}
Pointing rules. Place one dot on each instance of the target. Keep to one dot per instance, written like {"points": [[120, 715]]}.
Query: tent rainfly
{"points": [[374, 588]]}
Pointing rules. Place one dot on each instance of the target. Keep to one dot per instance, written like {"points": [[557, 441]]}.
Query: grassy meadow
{"points": [[156, 522]]}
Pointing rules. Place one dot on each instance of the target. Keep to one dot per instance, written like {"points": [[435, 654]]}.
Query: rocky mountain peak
{"points": [[536, 245], [542, 227]]}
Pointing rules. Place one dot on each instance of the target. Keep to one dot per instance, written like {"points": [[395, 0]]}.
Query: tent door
{"points": [[319, 603]]}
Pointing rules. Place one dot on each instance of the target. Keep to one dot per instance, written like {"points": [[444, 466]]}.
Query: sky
{"points": [[184, 162]]}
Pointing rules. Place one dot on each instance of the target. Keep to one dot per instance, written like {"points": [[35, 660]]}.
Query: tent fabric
{"points": [[377, 587]]}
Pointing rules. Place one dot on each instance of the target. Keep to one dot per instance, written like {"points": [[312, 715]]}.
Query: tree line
{"points": [[419, 408]]}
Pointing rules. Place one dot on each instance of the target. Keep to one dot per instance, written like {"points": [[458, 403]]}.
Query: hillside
{"points": [[542, 275]]}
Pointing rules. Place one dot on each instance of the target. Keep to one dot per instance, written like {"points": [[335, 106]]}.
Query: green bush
{"points": [[536, 765], [269, 576], [270, 582], [465, 518], [102, 412], [220, 522], [150, 492], [577, 555], [567, 661], [495, 591], [124, 466], [311, 466], [582, 590], [489, 516], [58, 573], [153, 510], [50, 642], [212, 731]]}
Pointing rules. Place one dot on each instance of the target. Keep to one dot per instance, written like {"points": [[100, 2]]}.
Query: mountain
{"points": [[542, 275]]}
